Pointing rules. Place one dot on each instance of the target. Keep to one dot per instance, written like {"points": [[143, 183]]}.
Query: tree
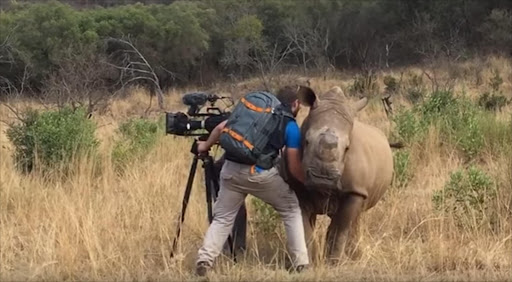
{"points": [[497, 29], [84, 81], [134, 67]]}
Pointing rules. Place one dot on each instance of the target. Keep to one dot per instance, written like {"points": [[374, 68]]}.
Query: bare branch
{"points": [[174, 75], [139, 67], [15, 111]]}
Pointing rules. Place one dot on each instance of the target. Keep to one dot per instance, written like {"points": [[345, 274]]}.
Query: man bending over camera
{"points": [[237, 180]]}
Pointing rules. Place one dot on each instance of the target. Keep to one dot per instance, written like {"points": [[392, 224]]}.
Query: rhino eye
{"points": [[346, 149]]}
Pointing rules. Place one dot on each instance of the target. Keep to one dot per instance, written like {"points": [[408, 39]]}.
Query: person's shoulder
{"points": [[292, 135], [292, 125]]}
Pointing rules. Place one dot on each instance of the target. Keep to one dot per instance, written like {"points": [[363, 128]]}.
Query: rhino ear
{"points": [[307, 96], [359, 105]]}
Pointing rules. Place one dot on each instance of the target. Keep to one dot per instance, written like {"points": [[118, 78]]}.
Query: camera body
{"points": [[194, 123]]}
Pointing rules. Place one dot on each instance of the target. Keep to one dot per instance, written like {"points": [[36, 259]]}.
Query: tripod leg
{"points": [[186, 197], [210, 195], [240, 229]]}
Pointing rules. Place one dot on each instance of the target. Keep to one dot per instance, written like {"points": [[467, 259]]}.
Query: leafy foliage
{"points": [[468, 196], [416, 90], [402, 169], [51, 139], [266, 218], [138, 137], [188, 40], [460, 121], [408, 126], [496, 28], [492, 102], [391, 84]]}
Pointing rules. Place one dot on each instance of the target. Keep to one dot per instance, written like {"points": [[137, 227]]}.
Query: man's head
{"points": [[287, 95]]}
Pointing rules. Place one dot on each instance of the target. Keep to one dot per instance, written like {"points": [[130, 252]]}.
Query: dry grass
{"points": [[98, 225]]}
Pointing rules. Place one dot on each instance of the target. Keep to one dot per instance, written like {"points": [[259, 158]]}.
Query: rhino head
{"points": [[326, 135]]}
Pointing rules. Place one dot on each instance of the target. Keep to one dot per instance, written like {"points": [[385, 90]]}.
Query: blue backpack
{"points": [[254, 132]]}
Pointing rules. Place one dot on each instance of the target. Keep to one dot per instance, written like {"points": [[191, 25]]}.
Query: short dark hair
{"points": [[287, 94]]}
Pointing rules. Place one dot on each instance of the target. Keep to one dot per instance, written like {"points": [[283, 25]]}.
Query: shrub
{"points": [[460, 124], [416, 90], [52, 138], [408, 127], [458, 119], [415, 95], [492, 102], [496, 81], [437, 104], [364, 83], [391, 84], [403, 172], [266, 218], [138, 137], [468, 197], [468, 135]]}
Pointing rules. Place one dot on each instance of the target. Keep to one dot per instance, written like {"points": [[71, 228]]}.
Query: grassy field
{"points": [[100, 225]]}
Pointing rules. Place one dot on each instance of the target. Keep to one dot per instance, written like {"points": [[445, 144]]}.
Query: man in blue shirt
{"points": [[238, 180]]}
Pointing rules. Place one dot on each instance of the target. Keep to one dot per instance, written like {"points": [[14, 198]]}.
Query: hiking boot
{"points": [[202, 268], [298, 268]]}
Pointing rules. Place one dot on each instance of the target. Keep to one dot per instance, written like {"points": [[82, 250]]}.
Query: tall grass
{"points": [[101, 225]]}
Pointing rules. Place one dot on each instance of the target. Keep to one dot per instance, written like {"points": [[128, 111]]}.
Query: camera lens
{"points": [[176, 123]]}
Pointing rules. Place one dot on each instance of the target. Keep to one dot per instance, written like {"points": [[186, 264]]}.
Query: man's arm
{"points": [[295, 164], [293, 151], [214, 137]]}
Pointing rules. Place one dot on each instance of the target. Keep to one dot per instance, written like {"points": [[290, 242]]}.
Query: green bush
{"points": [[403, 172], [408, 126], [459, 120], [460, 124], [468, 196], [266, 219], [52, 138], [415, 95], [468, 136], [439, 103], [416, 91], [138, 137], [391, 84], [492, 102]]}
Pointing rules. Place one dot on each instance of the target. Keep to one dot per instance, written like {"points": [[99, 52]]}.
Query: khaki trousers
{"points": [[236, 181]]}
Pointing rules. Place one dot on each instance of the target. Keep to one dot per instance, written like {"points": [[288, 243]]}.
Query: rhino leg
{"points": [[309, 222], [342, 227]]}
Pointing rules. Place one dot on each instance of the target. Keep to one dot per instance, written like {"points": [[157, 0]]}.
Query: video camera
{"points": [[191, 123]]}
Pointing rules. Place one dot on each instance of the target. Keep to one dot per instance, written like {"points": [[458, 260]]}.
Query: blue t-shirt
{"points": [[291, 138]]}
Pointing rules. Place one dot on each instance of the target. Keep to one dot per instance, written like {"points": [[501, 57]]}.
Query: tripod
{"points": [[212, 189]]}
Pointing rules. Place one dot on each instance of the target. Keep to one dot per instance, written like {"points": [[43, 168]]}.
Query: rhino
{"points": [[348, 166]]}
